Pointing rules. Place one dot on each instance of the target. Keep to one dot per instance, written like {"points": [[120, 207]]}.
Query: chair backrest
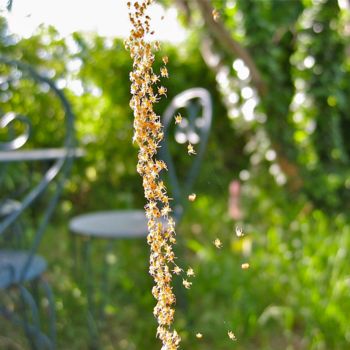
{"points": [[195, 107], [15, 142], [58, 161]]}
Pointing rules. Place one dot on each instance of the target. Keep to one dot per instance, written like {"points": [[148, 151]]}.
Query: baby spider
{"points": [[157, 45], [245, 266], [231, 335], [165, 59], [178, 119], [199, 335], [162, 90], [239, 231], [186, 284], [154, 78], [177, 270], [216, 15], [217, 243], [190, 272], [192, 197], [164, 72], [190, 149]]}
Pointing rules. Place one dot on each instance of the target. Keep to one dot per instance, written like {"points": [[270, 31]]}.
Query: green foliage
{"points": [[295, 294], [300, 49], [96, 69]]}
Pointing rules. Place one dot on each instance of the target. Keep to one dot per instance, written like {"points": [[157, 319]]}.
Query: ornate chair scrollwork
{"points": [[195, 107], [32, 180]]}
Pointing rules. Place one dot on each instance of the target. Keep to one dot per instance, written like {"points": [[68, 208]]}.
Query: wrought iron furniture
{"points": [[21, 270], [194, 128], [196, 109]]}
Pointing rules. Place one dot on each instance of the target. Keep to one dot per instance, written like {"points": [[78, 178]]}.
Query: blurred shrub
{"points": [[299, 105], [94, 73], [295, 294]]}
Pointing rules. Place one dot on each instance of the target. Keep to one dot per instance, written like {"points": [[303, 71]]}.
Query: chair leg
{"points": [[73, 245], [28, 304], [52, 312], [105, 279], [36, 340]]}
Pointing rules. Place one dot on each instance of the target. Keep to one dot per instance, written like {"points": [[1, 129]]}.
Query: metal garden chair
{"points": [[21, 270], [196, 109]]}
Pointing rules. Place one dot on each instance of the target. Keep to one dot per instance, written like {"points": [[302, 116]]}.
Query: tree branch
{"points": [[231, 46], [185, 8]]}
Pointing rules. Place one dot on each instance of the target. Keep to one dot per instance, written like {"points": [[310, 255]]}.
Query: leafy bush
{"points": [[295, 294]]}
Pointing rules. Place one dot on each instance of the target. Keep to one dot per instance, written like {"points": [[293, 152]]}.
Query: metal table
{"points": [[108, 226], [38, 155], [111, 224]]}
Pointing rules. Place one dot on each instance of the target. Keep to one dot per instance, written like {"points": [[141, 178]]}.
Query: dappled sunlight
{"points": [[235, 114]]}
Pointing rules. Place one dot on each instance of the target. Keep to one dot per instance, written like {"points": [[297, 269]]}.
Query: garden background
{"points": [[279, 76]]}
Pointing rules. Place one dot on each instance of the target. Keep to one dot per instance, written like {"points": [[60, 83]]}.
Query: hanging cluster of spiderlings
{"points": [[148, 134]]}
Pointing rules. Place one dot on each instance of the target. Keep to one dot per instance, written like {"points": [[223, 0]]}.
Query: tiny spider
{"points": [[190, 149], [165, 59], [186, 284], [192, 197], [231, 335], [217, 243], [216, 15], [199, 335], [165, 210], [177, 270], [190, 272], [154, 78], [162, 90], [164, 72], [245, 266], [157, 45], [178, 119], [239, 231]]}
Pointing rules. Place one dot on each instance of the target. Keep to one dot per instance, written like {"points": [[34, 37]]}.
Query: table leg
{"points": [[105, 278], [51, 311], [73, 245], [87, 265]]}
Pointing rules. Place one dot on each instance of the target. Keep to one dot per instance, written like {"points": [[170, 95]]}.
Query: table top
{"points": [[38, 154], [111, 224]]}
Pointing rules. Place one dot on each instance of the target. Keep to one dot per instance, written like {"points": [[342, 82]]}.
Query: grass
{"points": [[293, 296]]}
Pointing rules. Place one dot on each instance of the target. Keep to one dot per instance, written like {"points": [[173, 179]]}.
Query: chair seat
{"points": [[12, 263]]}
